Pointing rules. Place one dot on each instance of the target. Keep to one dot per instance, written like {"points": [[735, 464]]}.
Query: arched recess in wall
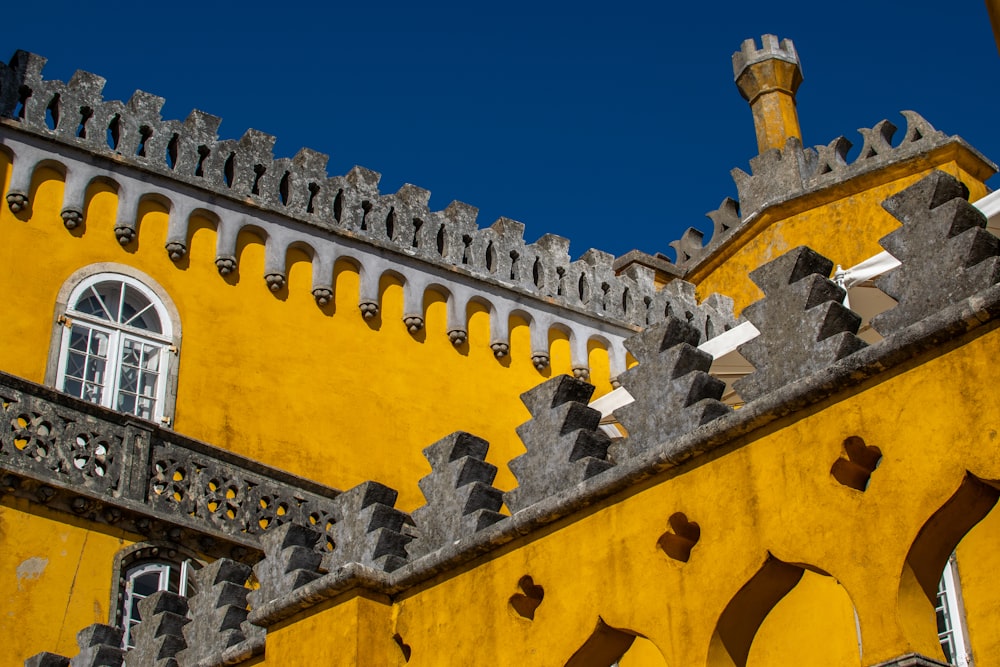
{"points": [[599, 363], [298, 267], [347, 273], [435, 304], [48, 180], [616, 647], [922, 605], [776, 617], [200, 237], [560, 350], [519, 325], [478, 312], [250, 248], [390, 296], [152, 219], [100, 206]]}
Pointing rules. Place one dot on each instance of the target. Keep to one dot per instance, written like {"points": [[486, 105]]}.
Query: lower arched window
{"points": [[116, 345], [144, 579], [143, 569]]}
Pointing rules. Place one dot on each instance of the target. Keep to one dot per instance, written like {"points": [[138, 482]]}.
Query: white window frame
{"points": [[117, 334], [130, 611], [949, 606]]}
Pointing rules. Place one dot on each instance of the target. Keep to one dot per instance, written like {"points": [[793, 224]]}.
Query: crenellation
{"points": [[461, 498], [218, 611], [367, 529], [291, 560], [779, 175], [159, 637], [770, 48], [674, 394], [246, 170], [564, 445], [945, 250], [804, 326]]}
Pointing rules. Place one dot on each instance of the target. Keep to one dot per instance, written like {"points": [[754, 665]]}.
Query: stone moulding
{"points": [[372, 259], [112, 468], [973, 316], [778, 176], [298, 190]]}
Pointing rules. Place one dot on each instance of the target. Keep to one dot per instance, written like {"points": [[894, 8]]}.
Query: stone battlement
{"points": [[245, 171]]}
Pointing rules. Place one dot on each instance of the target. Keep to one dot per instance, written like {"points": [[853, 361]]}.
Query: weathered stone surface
{"points": [[673, 391], [159, 637], [564, 444], [946, 254], [100, 646], [291, 561], [218, 611], [803, 324], [191, 151], [367, 529], [780, 175], [46, 659], [461, 499]]}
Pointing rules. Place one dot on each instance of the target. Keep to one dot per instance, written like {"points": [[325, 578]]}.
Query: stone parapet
{"points": [[115, 469], [298, 192]]}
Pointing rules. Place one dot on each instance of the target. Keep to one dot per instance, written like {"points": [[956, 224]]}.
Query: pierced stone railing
{"points": [[116, 469]]}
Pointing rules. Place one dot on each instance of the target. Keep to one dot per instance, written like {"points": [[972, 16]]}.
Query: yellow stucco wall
{"points": [[319, 392], [772, 496], [843, 223], [55, 578]]}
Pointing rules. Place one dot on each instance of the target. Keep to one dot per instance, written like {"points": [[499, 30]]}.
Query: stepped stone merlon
{"points": [[100, 646], [804, 326], [945, 251], [159, 637], [564, 444], [368, 529], [768, 78], [290, 561], [218, 611], [674, 394], [461, 499]]}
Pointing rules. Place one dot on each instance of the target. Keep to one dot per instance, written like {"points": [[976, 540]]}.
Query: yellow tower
{"points": [[768, 78]]}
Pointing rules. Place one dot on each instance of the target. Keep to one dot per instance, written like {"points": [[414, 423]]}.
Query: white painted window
{"points": [[116, 346], [951, 618], [144, 579]]}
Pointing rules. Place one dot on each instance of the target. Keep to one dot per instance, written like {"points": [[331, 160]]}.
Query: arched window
{"points": [[116, 345], [144, 569], [146, 578]]}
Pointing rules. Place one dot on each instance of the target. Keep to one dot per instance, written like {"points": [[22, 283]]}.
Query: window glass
{"points": [[144, 579], [114, 346]]}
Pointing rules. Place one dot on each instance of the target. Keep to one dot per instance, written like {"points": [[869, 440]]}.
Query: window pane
{"points": [[79, 338], [130, 353], [73, 387], [98, 343], [147, 387], [92, 392], [146, 584], [128, 379], [126, 403], [75, 364], [144, 408], [95, 370], [138, 311], [151, 357]]}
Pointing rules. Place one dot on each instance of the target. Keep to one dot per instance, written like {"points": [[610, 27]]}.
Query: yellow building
{"points": [[239, 398]]}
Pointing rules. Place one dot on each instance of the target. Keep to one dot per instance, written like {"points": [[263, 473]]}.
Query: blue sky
{"points": [[613, 124]]}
